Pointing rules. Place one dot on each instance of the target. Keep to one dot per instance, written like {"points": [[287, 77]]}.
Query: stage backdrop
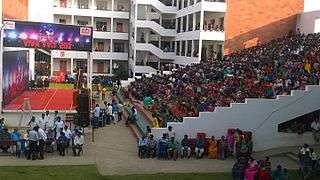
{"points": [[15, 74], [47, 36]]}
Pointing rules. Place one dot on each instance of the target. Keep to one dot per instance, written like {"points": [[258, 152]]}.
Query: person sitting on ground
{"points": [[185, 147], [143, 147], [315, 126], [78, 142], [172, 149], [152, 146], [199, 147], [61, 144]]}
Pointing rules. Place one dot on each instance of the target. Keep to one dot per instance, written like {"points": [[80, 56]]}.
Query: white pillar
{"points": [[31, 64], [51, 68], [112, 26], [110, 71], [111, 45], [92, 5], [201, 19], [112, 5], [194, 17], [71, 66], [192, 47], [187, 23]]}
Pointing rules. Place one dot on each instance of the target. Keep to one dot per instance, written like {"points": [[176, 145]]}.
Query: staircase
{"points": [[159, 6], [155, 50], [261, 116], [157, 28]]}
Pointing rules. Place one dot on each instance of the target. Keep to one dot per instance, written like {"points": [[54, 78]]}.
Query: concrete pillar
{"points": [[71, 66], [192, 48], [111, 45], [187, 24], [201, 19], [51, 66], [194, 17], [31, 64], [110, 67], [112, 26], [93, 5], [112, 4]]}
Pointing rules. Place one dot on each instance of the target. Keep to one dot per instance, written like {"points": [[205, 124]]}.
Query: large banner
{"points": [[47, 36], [15, 74]]}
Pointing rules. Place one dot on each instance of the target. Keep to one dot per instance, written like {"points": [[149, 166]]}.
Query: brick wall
{"points": [[252, 21], [15, 9]]}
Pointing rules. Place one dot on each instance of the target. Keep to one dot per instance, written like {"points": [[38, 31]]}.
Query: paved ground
{"points": [[115, 152]]}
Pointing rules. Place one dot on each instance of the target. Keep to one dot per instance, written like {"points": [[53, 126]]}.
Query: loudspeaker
{"points": [[83, 103], [83, 119]]}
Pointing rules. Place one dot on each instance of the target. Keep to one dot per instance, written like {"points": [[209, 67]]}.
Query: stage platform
{"points": [[42, 100]]}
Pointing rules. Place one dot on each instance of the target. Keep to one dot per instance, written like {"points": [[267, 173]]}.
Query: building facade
{"points": [[144, 36]]}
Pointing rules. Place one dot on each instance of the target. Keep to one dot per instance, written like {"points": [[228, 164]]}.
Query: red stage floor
{"points": [[50, 99]]}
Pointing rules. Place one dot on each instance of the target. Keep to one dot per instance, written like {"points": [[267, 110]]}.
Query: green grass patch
{"points": [[61, 86], [90, 172]]}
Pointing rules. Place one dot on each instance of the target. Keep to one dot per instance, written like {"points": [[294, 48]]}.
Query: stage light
{"points": [[34, 36], [12, 35], [76, 39], [69, 39], [87, 40], [23, 36], [60, 39]]}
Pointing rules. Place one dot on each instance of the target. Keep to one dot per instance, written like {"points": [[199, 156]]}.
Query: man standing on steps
{"points": [[109, 113], [120, 111]]}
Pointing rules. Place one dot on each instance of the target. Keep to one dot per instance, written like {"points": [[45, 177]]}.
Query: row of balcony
{"points": [[104, 5]]}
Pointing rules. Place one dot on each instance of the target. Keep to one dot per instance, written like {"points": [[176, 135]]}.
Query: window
{"points": [[63, 3], [183, 48], [102, 5], [190, 25], [189, 44], [185, 3], [83, 4], [62, 21], [101, 26], [184, 24], [82, 23], [118, 47], [178, 48], [119, 27], [179, 25], [100, 46]]}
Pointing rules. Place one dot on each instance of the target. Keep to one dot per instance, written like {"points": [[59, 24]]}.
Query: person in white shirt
{"points": [[59, 124], [120, 111], [109, 113], [42, 141], [42, 122], [78, 142], [49, 121], [68, 134], [315, 126], [171, 132]]}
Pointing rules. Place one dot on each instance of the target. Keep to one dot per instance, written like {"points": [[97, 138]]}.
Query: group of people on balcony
{"points": [[236, 143], [212, 26], [262, 71]]}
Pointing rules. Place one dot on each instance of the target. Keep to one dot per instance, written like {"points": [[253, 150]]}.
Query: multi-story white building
{"points": [[142, 35]]}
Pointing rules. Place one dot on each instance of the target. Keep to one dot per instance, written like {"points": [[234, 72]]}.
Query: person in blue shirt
{"points": [[143, 147], [61, 144], [199, 147], [96, 116], [16, 136], [2, 124]]}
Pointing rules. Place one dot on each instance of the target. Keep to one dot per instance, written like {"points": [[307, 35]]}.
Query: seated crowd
{"points": [[263, 71], [236, 143], [42, 135]]}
